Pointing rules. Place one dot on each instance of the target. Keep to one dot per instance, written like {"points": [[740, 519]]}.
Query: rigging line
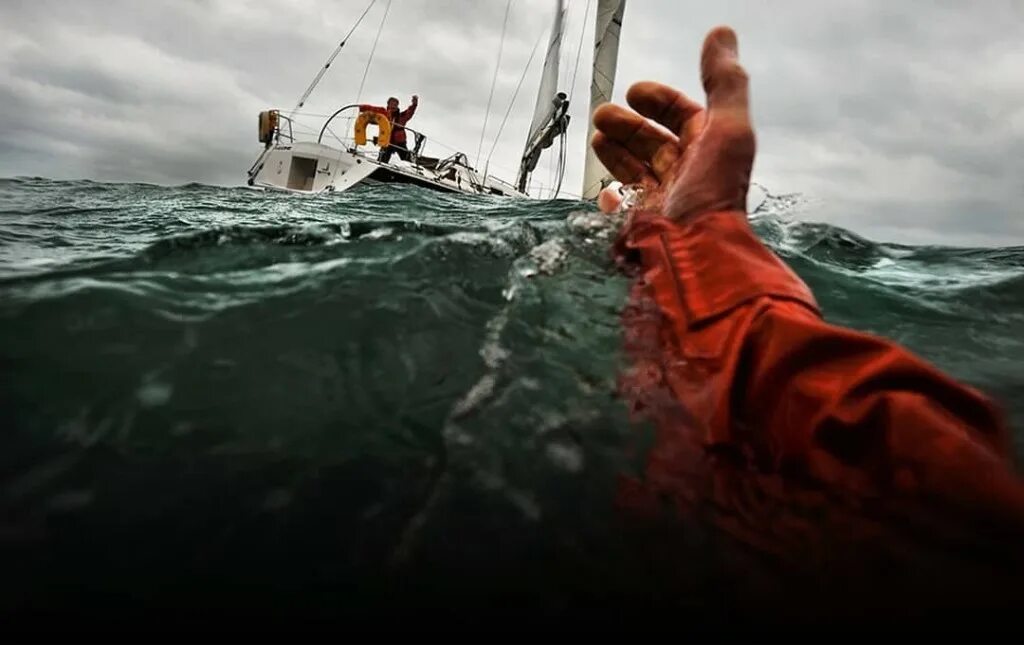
{"points": [[554, 173], [313, 116], [551, 175], [359, 94], [559, 169], [336, 137], [323, 70], [565, 159], [579, 48], [494, 79], [563, 58], [513, 101], [556, 161]]}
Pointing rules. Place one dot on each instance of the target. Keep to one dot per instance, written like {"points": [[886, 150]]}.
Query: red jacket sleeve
{"points": [[373, 108], [739, 346], [407, 114]]}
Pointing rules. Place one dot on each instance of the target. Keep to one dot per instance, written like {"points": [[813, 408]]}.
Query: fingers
{"points": [[665, 105], [620, 162], [725, 81], [647, 143]]}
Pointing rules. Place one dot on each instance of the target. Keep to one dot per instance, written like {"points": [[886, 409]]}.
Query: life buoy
{"points": [[383, 128]]}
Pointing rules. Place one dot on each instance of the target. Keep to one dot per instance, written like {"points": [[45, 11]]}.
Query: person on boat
{"points": [[398, 119], [734, 364]]}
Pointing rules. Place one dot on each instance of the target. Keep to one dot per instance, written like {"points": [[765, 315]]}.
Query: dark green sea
{"points": [[241, 403]]}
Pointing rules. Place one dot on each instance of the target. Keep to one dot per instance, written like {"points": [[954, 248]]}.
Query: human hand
{"points": [[415, 99], [702, 162]]}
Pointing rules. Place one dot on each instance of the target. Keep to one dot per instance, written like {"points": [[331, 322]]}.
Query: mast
{"points": [[550, 118], [606, 54]]}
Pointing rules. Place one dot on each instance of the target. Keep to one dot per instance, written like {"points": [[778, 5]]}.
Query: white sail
{"points": [[606, 54], [549, 79], [550, 116]]}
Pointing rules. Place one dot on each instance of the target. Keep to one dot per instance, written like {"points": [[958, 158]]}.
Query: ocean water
{"points": [[223, 398]]}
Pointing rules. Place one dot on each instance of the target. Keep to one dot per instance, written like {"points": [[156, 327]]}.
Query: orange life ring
{"points": [[383, 128]]}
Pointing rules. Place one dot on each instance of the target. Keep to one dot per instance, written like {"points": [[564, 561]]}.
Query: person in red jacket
{"points": [[398, 119], [758, 403]]}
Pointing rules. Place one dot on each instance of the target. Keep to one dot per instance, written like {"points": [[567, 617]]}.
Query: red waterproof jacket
{"points": [[397, 131], [731, 357]]}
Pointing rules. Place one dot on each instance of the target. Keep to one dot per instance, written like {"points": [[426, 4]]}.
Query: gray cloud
{"points": [[905, 121]]}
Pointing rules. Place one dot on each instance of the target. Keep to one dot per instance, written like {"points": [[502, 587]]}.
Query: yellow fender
{"points": [[383, 128], [268, 125]]}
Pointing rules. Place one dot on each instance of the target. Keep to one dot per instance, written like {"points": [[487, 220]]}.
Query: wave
{"points": [[370, 373], [924, 270], [166, 220]]}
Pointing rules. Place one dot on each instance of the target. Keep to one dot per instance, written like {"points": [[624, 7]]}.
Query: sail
{"points": [[549, 79], [606, 54], [550, 116]]}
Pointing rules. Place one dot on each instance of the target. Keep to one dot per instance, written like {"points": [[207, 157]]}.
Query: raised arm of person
{"points": [[409, 111], [743, 349]]}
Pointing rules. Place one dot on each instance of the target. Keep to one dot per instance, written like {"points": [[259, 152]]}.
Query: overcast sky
{"points": [[903, 121]]}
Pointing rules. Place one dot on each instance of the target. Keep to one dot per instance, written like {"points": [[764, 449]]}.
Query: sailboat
{"points": [[315, 167]]}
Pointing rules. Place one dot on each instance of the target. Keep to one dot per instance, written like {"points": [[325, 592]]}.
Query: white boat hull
{"points": [[314, 168]]}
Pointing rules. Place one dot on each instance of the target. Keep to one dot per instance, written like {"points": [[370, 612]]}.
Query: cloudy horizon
{"points": [[901, 121]]}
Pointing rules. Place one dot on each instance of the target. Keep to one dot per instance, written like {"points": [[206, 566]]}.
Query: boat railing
{"points": [[327, 123], [498, 180], [419, 138], [416, 150], [279, 133]]}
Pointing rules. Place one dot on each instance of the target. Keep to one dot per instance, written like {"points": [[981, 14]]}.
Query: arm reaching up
{"points": [[409, 111], [740, 346]]}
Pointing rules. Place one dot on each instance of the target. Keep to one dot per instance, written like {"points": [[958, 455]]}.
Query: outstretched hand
{"points": [[701, 160], [415, 99]]}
